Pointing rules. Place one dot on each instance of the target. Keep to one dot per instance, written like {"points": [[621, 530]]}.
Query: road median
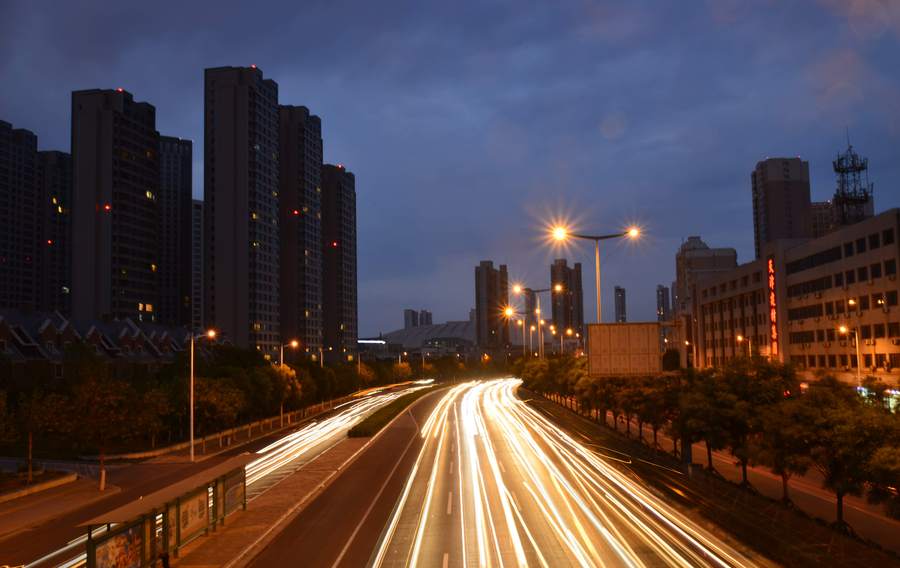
{"points": [[383, 416]]}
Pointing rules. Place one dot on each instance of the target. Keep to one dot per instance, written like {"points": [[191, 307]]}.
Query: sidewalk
{"points": [[247, 532]]}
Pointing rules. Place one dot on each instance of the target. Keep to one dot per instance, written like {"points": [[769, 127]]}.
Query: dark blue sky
{"points": [[468, 125]]}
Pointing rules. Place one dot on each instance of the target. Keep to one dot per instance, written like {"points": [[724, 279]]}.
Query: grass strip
{"points": [[379, 419]]}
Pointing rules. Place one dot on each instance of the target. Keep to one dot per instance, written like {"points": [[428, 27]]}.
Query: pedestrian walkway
{"points": [[247, 532]]}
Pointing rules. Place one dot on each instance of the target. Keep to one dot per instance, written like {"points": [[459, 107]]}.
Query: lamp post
{"points": [[741, 339], [562, 234], [293, 344], [844, 330], [530, 342], [518, 289], [569, 332], [211, 334]]}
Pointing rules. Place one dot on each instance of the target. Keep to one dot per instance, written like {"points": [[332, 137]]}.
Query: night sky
{"points": [[470, 125]]}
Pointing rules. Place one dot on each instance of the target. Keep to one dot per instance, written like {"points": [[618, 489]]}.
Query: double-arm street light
{"points": [[211, 334], [519, 289], [563, 234]]}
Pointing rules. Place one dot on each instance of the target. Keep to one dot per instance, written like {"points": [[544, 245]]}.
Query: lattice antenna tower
{"points": [[854, 190]]}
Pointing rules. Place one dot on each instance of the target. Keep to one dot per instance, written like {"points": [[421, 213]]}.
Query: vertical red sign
{"points": [[773, 308]]}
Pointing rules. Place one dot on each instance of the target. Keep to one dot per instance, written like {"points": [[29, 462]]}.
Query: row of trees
{"points": [[757, 411], [91, 410]]}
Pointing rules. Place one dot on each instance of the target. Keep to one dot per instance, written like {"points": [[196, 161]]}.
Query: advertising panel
{"points": [[194, 514], [234, 492], [122, 550], [624, 349]]}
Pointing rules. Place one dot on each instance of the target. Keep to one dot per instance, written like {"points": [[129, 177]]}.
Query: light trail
{"points": [[530, 494], [277, 460]]}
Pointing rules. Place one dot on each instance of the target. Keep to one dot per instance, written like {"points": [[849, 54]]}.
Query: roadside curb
{"points": [[252, 551], [38, 487]]}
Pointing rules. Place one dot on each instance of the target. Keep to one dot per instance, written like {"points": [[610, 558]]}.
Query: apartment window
{"points": [[891, 297], [865, 332], [820, 335], [862, 273], [878, 330], [893, 329], [843, 360], [890, 267], [887, 236], [874, 241], [832, 361], [850, 277], [821, 360], [863, 303], [829, 308], [811, 361], [848, 249], [875, 270], [860, 245], [839, 279], [829, 334]]}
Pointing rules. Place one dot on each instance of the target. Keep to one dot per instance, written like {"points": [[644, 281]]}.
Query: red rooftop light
{"points": [[49, 241], [107, 207], [252, 66], [296, 211], [334, 244], [120, 90]]}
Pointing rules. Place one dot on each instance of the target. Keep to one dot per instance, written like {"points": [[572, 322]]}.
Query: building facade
{"points": [[621, 310], [491, 297], [176, 221], [339, 305], [781, 201], [19, 231], [425, 318], [300, 213], [197, 322], [115, 207], [791, 304], [663, 308], [567, 304], [54, 216], [241, 215], [410, 318]]}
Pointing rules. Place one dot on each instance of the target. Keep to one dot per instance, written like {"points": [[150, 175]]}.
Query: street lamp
{"points": [[211, 334], [530, 342], [741, 339], [562, 234], [293, 344], [844, 330]]}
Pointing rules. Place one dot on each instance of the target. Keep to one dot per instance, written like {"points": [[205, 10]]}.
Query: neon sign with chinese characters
{"points": [[773, 308]]}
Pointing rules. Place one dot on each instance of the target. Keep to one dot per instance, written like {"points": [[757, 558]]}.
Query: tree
{"points": [[217, 403], [287, 387], [884, 478], [103, 408], [41, 413], [788, 432], [671, 360], [7, 421]]}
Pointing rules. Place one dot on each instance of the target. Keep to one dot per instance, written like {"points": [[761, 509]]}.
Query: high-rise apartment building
{"points": [[621, 315], [300, 217], [410, 318], [115, 207], [241, 232], [425, 318], [339, 261], [19, 231], [197, 265], [54, 177], [781, 201], [176, 218], [568, 303], [663, 308], [491, 297]]}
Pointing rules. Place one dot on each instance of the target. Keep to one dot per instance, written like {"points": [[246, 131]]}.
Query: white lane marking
{"points": [[446, 561], [449, 502], [451, 467]]}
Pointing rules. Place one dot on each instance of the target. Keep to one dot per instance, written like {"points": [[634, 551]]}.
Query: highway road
{"points": [[497, 484], [61, 542]]}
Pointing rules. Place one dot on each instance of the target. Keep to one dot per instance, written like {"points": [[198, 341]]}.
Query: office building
{"points": [[790, 304], [115, 207], [567, 304], [410, 318], [197, 265], [425, 317], [54, 177], [301, 218], [240, 214], [663, 308], [176, 221], [621, 315], [491, 298], [339, 307], [781, 201], [19, 231], [693, 261]]}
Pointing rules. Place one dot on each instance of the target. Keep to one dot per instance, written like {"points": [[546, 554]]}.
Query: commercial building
{"points": [[781, 201], [241, 214], [663, 308], [176, 219], [19, 202], [339, 262], [54, 178], [791, 304], [197, 264], [115, 208], [621, 315], [301, 222], [491, 298], [568, 303]]}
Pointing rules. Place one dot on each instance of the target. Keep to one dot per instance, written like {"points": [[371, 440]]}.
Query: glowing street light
{"points": [[844, 330], [293, 344], [209, 334], [519, 289], [560, 234], [741, 339]]}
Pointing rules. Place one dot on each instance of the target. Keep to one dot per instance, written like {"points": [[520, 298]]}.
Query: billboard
{"points": [[123, 550], [624, 349]]}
